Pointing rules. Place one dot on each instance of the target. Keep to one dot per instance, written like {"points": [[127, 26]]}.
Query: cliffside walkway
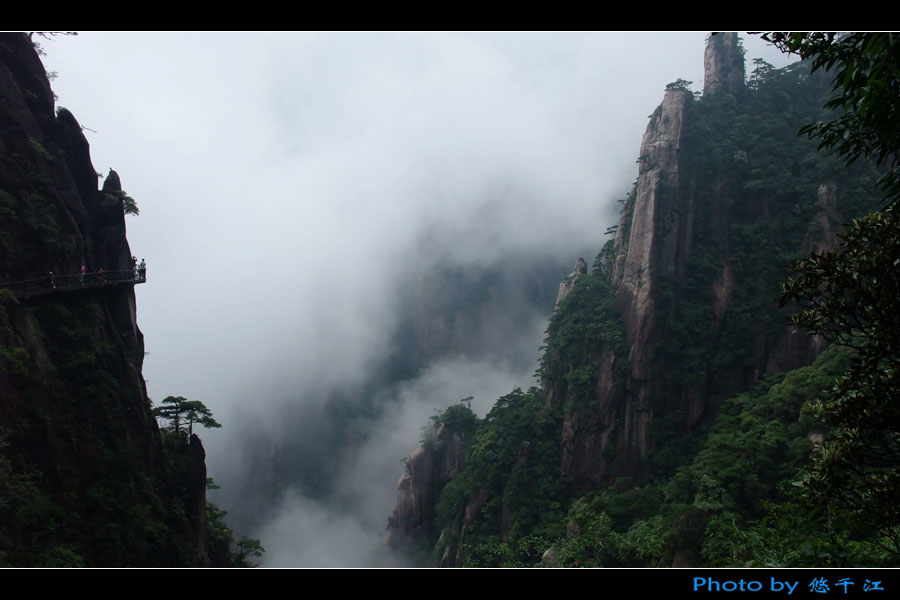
{"points": [[71, 283]]}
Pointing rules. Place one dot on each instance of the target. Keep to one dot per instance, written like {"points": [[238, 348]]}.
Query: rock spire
{"points": [[723, 64]]}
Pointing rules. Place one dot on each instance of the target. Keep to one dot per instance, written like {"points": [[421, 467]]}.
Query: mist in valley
{"points": [[347, 232]]}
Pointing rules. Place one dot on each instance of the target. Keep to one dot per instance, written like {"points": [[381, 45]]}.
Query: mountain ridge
{"points": [[680, 313]]}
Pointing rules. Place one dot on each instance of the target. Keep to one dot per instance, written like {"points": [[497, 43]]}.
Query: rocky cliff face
{"points": [[428, 469], [611, 437], [85, 481], [723, 64], [681, 311], [568, 284], [652, 256]]}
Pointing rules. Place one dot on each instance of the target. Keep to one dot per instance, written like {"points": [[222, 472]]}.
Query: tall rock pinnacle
{"points": [[723, 64]]}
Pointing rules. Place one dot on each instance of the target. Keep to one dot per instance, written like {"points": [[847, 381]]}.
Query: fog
{"points": [[292, 185]]}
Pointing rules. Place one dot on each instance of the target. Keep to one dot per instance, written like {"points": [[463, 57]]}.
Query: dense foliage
{"points": [[737, 503], [851, 294], [730, 493], [585, 324], [86, 477], [759, 202], [512, 472], [178, 411], [63, 431]]}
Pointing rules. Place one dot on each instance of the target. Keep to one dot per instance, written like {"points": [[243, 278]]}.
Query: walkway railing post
{"points": [[58, 283]]}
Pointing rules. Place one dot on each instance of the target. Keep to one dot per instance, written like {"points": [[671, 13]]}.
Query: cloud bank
{"points": [[291, 185]]}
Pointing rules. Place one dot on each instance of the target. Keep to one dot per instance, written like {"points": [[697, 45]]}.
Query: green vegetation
{"points": [[738, 502], [76, 486], [679, 84], [761, 197], [585, 323], [514, 462], [183, 465], [118, 197], [795, 469], [87, 479], [224, 550], [178, 411], [457, 419], [28, 224], [851, 295], [39, 148]]}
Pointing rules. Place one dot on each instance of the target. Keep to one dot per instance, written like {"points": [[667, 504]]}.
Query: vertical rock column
{"points": [[641, 259], [723, 64]]}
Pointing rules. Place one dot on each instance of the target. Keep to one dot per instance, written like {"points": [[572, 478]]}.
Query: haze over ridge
{"points": [[290, 184]]}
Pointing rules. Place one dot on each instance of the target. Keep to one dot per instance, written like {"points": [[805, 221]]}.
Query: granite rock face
{"points": [[568, 284], [685, 261], [723, 64], [428, 469], [77, 436], [613, 436], [651, 237]]}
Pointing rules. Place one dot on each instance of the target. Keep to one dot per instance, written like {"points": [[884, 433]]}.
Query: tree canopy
{"points": [[182, 413], [851, 295]]}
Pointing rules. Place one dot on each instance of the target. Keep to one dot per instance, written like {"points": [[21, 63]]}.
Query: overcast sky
{"points": [[285, 181]]}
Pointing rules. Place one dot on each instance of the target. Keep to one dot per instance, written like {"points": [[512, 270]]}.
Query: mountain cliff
{"points": [[85, 476], [645, 354]]}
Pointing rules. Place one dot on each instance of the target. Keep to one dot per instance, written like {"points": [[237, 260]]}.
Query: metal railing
{"points": [[67, 283]]}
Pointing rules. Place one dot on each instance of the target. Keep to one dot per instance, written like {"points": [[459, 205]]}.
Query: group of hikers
{"points": [[83, 279], [139, 270]]}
